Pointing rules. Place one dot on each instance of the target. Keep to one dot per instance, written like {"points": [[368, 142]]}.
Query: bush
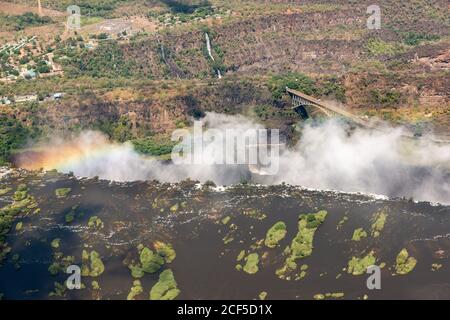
{"points": [[13, 135], [165, 288], [43, 69], [251, 266], [297, 81], [379, 47], [20, 22], [180, 6], [102, 36], [151, 262], [333, 88], [413, 38], [385, 97], [150, 146], [275, 234], [97, 266]]}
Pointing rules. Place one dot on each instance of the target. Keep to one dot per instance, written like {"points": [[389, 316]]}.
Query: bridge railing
{"points": [[313, 101]]}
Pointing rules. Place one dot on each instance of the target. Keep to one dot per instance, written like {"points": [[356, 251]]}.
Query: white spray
{"points": [[327, 157]]}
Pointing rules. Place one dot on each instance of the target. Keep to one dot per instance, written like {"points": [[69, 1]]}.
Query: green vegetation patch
{"points": [[241, 255], [342, 222], [436, 266], [152, 146], [358, 266], [358, 234], [385, 98], [95, 285], [262, 295], [329, 295], [22, 187], [62, 192], [378, 47], [297, 81], [275, 234], [404, 263], [229, 236], [10, 212], [379, 220], [13, 135], [226, 220], [60, 262], [92, 264], [302, 272], [165, 250], [150, 261], [20, 195], [174, 208], [413, 38], [97, 266], [58, 291], [54, 268], [165, 288], [19, 226], [120, 130], [251, 265], [55, 243], [5, 191], [95, 223], [136, 271], [135, 290], [70, 216], [186, 7], [20, 22], [302, 244]]}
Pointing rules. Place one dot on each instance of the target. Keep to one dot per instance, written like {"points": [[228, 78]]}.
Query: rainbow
{"points": [[65, 155]]}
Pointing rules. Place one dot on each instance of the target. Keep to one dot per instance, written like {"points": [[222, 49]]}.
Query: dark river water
{"points": [[190, 217]]}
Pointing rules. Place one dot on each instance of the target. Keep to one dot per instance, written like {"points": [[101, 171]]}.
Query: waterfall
{"points": [[208, 47]]}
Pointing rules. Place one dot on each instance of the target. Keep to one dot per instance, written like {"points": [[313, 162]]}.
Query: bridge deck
{"points": [[336, 110], [435, 138]]}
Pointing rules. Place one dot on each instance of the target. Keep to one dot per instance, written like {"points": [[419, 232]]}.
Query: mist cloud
{"points": [[380, 162], [327, 157]]}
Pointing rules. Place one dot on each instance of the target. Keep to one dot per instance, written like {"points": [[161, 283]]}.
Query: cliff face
{"points": [[150, 108], [396, 68], [152, 114], [159, 109]]}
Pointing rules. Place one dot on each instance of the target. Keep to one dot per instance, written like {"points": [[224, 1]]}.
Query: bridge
{"points": [[301, 100]]}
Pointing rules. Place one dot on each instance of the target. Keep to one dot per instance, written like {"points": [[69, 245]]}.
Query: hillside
{"points": [[398, 74]]}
